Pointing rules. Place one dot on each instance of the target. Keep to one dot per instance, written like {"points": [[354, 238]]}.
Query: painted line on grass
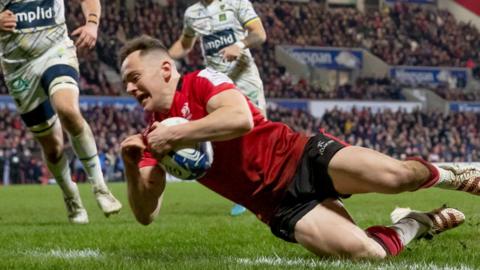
{"points": [[312, 263], [65, 253]]}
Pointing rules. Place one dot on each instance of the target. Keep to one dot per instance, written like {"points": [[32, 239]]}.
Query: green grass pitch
{"points": [[194, 231]]}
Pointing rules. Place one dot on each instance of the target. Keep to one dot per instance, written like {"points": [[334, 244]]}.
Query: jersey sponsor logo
{"points": [[33, 14], [215, 77], [218, 40]]}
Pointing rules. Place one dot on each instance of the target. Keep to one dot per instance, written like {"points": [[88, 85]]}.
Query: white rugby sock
{"points": [[61, 173], [445, 177], [409, 229], [84, 146]]}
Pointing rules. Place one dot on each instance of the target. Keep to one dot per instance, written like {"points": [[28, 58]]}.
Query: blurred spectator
{"points": [[456, 94], [436, 137], [363, 89], [22, 155], [401, 35]]}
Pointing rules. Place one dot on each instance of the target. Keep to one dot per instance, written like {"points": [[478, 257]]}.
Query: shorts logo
{"points": [[33, 14], [19, 85], [222, 17], [218, 40], [321, 146]]}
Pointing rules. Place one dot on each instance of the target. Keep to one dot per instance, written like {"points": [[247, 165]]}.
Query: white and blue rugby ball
{"points": [[187, 163]]}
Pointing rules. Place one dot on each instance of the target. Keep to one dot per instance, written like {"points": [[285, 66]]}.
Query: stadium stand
{"points": [[400, 35], [436, 137]]}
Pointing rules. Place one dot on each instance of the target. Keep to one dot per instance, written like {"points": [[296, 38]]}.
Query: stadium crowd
{"points": [[20, 155], [283, 86], [400, 35], [436, 137]]}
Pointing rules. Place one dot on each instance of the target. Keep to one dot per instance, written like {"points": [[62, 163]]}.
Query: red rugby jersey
{"points": [[252, 170]]}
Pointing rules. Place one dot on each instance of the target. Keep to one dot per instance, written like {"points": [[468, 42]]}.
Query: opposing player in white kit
{"points": [[226, 28], [40, 66]]}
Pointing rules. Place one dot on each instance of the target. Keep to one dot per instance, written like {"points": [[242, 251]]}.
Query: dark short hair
{"points": [[143, 43]]}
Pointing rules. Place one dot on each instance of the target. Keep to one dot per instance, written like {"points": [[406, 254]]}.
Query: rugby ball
{"points": [[187, 163]]}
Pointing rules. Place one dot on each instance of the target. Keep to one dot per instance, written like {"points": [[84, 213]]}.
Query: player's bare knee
{"points": [[354, 246], [370, 250], [71, 120], [53, 153], [361, 248]]}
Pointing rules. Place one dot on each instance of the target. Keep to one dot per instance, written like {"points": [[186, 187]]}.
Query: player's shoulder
{"points": [[236, 3], [193, 9], [213, 76]]}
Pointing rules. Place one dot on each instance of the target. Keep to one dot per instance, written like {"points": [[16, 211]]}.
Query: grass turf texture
{"points": [[194, 231]]}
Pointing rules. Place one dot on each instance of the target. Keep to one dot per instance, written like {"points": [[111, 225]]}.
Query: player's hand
{"points": [[159, 140], [231, 53], [86, 36], [8, 21], [132, 149]]}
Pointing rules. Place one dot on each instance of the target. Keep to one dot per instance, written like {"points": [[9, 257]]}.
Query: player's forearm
{"points": [[256, 35], [255, 39], [223, 124], [144, 194], [178, 50], [92, 10]]}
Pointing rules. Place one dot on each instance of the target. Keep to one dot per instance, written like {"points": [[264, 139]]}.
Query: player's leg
{"points": [[44, 124], [62, 87], [360, 170], [251, 85], [327, 230]]}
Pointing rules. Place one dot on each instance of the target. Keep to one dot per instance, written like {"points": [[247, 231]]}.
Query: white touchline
{"points": [[65, 253], [313, 263]]}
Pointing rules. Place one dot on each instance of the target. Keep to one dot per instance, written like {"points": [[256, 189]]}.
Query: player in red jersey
{"points": [[291, 182]]}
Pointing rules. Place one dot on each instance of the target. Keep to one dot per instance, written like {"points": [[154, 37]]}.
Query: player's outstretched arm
{"points": [[87, 34], [181, 47], [145, 185], [229, 117]]}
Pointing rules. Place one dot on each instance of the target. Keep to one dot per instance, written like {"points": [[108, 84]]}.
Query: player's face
{"points": [[144, 79]]}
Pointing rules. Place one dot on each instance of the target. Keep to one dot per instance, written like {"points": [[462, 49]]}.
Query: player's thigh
{"points": [[327, 230], [59, 78], [251, 85], [63, 90], [360, 170]]}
